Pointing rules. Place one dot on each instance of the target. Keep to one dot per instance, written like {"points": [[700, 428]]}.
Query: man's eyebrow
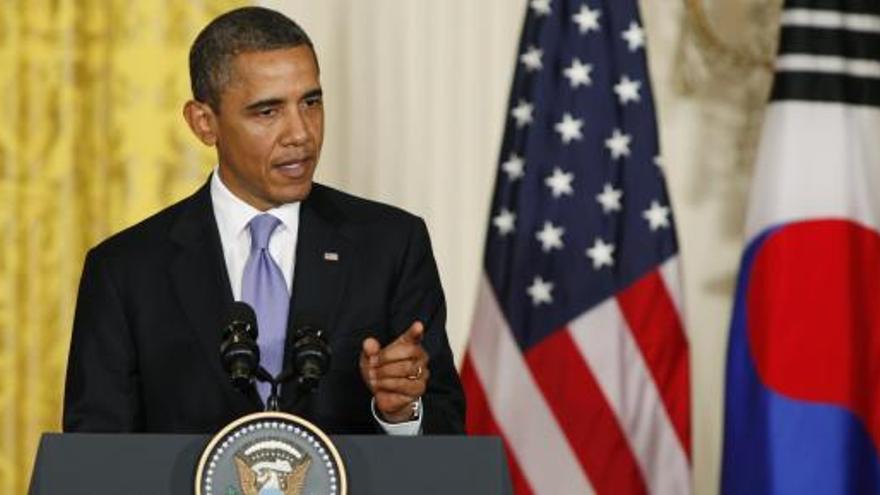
{"points": [[268, 102], [317, 92], [273, 102]]}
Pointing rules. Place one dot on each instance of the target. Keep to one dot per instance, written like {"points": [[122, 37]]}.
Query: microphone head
{"points": [[239, 351], [311, 356], [241, 311], [242, 314]]}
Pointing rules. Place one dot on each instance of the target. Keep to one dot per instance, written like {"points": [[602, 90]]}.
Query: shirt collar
{"points": [[233, 214]]}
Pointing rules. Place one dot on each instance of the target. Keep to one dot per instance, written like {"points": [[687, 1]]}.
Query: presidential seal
{"points": [[270, 453]]}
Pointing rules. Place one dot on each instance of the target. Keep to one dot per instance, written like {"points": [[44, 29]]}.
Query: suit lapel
{"points": [[199, 277], [323, 258]]}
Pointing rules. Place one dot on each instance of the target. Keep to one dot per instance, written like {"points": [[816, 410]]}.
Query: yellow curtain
{"points": [[91, 140]]}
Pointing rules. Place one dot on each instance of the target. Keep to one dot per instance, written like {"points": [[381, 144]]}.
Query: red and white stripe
{"points": [[601, 405], [520, 412]]}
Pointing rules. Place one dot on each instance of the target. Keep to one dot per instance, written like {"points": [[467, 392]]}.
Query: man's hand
{"points": [[396, 375]]}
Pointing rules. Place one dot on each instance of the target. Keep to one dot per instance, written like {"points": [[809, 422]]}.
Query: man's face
{"points": [[270, 126]]}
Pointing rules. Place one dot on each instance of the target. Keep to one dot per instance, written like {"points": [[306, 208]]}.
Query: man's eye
{"points": [[314, 101], [267, 112]]}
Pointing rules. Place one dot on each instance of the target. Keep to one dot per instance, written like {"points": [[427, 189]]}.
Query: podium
{"points": [[97, 464]]}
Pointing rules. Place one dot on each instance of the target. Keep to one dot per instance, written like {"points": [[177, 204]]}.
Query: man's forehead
{"points": [[300, 58], [270, 77], [290, 67]]}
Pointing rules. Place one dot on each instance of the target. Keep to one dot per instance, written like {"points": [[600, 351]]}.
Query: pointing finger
{"points": [[413, 334]]}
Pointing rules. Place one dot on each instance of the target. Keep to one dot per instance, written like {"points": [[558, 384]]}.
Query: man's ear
{"points": [[201, 119]]}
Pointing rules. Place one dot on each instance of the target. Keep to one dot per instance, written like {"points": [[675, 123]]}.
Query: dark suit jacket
{"points": [[144, 354]]}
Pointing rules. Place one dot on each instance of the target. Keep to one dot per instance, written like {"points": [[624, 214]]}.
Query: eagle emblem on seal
{"points": [[271, 466]]}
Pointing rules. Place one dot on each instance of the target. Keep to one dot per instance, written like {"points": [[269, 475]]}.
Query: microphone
{"points": [[310, 357], [239, 351]]}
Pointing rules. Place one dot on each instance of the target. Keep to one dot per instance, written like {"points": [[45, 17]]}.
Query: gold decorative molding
{"points": [[756, 54]]}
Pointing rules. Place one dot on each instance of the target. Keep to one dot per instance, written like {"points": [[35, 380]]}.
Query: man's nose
{"points": [[296, 130]]}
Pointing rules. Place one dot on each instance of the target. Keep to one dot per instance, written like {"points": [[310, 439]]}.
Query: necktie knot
{"points": [[261, 227]]}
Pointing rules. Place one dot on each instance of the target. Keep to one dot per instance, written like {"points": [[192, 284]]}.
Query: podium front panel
{"points": [[96, 464]]}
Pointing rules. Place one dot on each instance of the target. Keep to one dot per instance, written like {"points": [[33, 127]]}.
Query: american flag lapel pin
{"points": [[331, 256]]}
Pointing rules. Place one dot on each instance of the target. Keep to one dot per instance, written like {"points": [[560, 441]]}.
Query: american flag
{"points": [[577, 356]]}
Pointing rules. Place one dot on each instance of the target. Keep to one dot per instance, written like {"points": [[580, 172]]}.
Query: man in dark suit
{"points": [[145, 351]]}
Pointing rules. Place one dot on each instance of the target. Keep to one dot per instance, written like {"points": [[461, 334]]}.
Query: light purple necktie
{"points": [[264, 288]]}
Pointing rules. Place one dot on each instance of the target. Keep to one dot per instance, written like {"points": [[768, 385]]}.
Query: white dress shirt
{"points": [[232, 216]]}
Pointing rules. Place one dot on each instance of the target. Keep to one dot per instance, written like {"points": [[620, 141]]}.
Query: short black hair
{"points": [[247, 29]]}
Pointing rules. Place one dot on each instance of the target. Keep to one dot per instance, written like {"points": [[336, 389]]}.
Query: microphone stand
{"points": [[273, 401]]}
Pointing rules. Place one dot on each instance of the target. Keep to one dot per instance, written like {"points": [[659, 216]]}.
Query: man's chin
{"points": [[294, 194]]}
